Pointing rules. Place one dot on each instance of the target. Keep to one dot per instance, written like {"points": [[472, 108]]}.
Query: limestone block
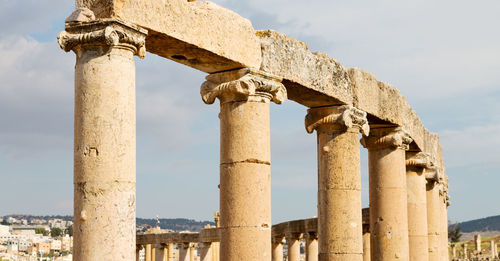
{"points": [[199, 34], [245, 188], [257, 242], [312, 79]]}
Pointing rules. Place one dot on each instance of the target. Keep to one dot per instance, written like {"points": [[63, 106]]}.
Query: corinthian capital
{"points": [[337, 117], [81, 30], [241, 85], [387, 137]]}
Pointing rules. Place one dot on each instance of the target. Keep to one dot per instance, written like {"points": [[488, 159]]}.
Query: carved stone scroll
{"points": [[345, 117], [241, 85]]}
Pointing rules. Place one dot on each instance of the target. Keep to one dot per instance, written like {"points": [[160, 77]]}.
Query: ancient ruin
{"points": [[248, 70]]}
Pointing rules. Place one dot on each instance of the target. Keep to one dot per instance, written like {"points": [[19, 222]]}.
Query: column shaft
{"points": [[388, 196], [206, 251], [245, 171], [277, 249], [170, 255], [312, 251], [433, 220], [147, 253], [417, 205], [104, 137], [366, 245], [339, 180], [184, 252], [293, 247], [444, 226]]}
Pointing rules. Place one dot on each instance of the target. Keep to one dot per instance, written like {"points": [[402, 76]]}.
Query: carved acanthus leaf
{"points": [[389, 137], [110, 32], [240, 85], [346, 116]]}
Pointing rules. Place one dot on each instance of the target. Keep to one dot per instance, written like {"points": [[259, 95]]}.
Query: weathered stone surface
{"points": [[312, 79], [199, 34]]}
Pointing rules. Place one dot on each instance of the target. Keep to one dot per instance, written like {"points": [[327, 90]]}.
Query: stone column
{"points": [[147, 253], [388, 196], [433, 215], [277, 246], [153, 252], [163, 252], [464, 248], [104, 134], [312, 246], [339, 180], [184, 252], [293, 241], [245, 169], [416, 163], [191, 252], [170, 255], [444, 203], [138, 252], [205, 251], [453, 251], [366, 243], [477, 242]]}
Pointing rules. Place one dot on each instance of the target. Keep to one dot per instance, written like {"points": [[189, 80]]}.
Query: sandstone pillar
{"points": [[339, 180], [293, 241], [416, 163], [162, 252], [312, 251], [191, 252], [453, 251], [477, 242], [277, 246], [366, 242], [433, 216], [444, 203], [388, 196], [245, 173], [205, 251], [464, 247], [170, 249], [104, 135], [184, 252], [138, 252], [153, 252], [147, 253]]}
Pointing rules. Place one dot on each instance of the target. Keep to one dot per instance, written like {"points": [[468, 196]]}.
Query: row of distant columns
{"points": [[293, 242], [165, 252], [104, 160]]}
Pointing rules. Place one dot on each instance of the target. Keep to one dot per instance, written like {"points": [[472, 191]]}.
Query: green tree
{"points": [[454, 233], [69, 231], [56, 232], [41, 230]]}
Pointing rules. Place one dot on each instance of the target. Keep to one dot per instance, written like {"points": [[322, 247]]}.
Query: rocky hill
{"points": [[481, 225]]}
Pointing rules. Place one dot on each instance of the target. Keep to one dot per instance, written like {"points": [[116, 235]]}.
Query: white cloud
{"points": [[472, 145]]}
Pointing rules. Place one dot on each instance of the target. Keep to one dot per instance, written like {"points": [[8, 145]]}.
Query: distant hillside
{"points": [[176, 224], [483, 224]]}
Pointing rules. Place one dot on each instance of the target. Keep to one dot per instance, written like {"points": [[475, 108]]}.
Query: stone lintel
{"points": [[199, 34]]}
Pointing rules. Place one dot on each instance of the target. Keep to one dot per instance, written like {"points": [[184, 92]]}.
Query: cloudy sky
{"points": [[444, 56]]}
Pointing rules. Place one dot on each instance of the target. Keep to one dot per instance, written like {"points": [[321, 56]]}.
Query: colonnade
{"points": [[408, 192]]}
